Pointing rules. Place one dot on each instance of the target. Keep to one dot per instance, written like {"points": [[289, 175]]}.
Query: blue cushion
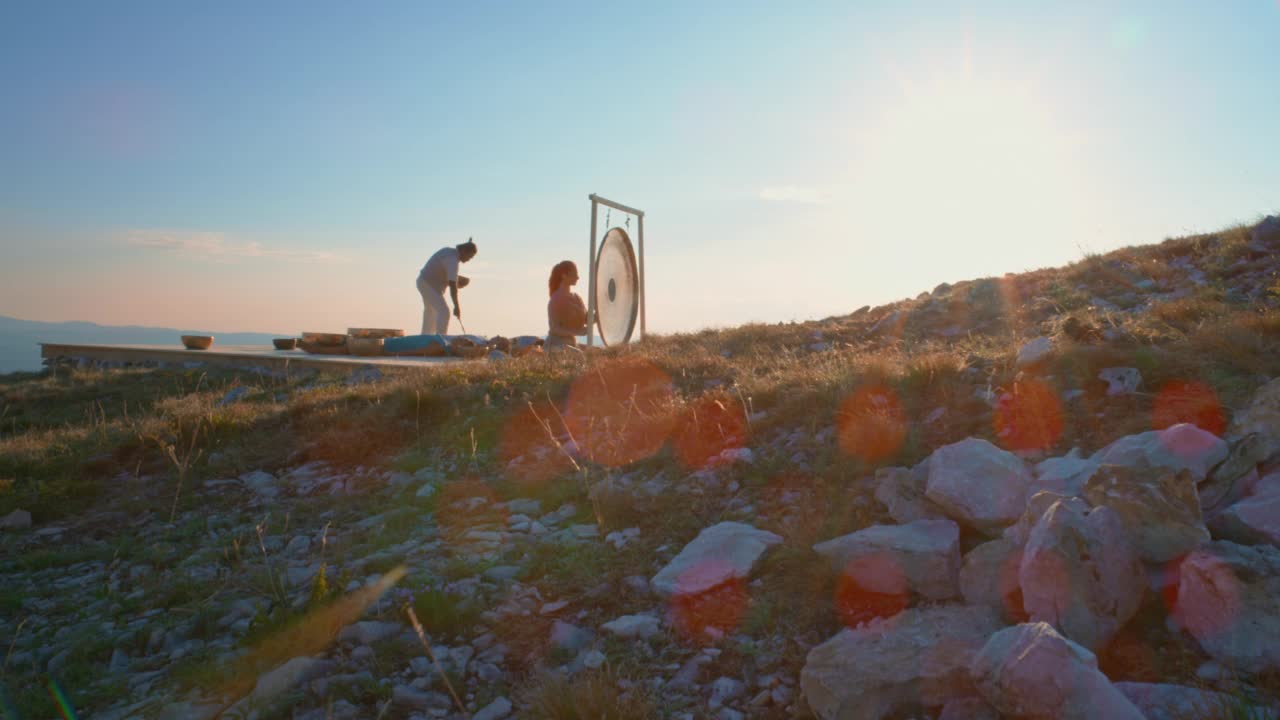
{"points": [[410, 343]]}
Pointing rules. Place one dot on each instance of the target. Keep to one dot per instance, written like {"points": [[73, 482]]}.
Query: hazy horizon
{"points": [[289, 168]]}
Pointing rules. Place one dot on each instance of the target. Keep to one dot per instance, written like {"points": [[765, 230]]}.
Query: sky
{"points": [[289, 166]]}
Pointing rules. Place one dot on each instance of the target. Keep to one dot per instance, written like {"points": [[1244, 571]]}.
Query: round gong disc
{"points": [[617, 288]]}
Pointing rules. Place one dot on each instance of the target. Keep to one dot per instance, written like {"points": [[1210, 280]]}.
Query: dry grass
{"points": [[593, 695], [693, 393], [1186, 314], [844, 398]]}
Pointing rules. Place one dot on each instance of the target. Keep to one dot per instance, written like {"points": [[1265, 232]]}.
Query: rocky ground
{"points": [[1055, 494]]}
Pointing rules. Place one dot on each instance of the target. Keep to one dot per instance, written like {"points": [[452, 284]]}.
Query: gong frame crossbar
{"points": [[596, 202]]}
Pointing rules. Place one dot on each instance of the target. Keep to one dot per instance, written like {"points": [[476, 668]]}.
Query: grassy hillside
{"points": [[140, 523], [20, 339]]}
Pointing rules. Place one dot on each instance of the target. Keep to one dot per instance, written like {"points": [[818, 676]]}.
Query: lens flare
{"points": [[706, 616], [309, 635], [710, 425], [1187, 442], [531, 443], [871, 587], [871, 423], [1188, 401], [59, 697], [1029, 417], [621, 411], [1207, 602], [1011, 298]]}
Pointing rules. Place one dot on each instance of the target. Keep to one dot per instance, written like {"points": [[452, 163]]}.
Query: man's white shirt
{"points": [[441, 268]]}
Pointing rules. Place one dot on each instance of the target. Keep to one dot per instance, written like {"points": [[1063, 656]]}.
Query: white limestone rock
{"points": [[1229, 600], [1253, 520], [1177, 447], [419, 699], [989, 577], [720, 553], [1034, 352], [902, 491], [1121, 380], [1080, 574], [569, 637], [495, 710], [17, 520], [921, 558], [1266, 233], [1040, 502], [978, 484], [1030, 670], [918, 657], [262, 483], [1158, 508], [1064, 475], [1262, 419], [633, 626]]}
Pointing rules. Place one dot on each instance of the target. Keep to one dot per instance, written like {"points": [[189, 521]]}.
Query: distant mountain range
{"points": [[20, 339]]}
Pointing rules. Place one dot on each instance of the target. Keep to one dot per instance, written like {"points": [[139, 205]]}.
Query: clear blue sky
{"points": [[289, 165]]}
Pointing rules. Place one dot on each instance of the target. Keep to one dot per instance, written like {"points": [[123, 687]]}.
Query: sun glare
{"points": [[964, 153]]}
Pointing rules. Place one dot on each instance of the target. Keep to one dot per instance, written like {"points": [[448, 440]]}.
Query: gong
{"points": [[617, 288]]}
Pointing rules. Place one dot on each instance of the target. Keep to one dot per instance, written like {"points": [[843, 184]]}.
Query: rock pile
{"points": [[1080, 544]]}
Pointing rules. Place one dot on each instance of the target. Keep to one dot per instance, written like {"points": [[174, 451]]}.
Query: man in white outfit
{"points": [[441, 272]]}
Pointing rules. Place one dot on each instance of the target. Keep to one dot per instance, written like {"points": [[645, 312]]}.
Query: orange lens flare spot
{"points": [[870, 587], [871, 424], [705, 616], [1188, 401], [621, 412], [710, 600], [1029, 417], [528, 446], [1207, 602], [710, 425]]}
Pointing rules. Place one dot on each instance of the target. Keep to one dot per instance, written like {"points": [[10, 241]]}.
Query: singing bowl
{"points": [[318, 338], [365, 347], [375, 332]]}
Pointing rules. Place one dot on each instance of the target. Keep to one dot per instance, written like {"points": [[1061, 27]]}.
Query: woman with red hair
{"points": [[566, 313]]}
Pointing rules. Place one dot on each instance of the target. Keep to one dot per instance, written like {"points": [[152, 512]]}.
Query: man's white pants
{"points": [[435, 313]]}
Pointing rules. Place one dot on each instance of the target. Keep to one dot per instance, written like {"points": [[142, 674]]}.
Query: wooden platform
{"points": [[235, 356]]}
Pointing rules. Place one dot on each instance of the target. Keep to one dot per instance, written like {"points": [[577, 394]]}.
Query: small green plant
{"points": [[444, 614], [320, 589], [320, 586], [570, 566], [275, 581], [761, 618], [182, 455]]}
